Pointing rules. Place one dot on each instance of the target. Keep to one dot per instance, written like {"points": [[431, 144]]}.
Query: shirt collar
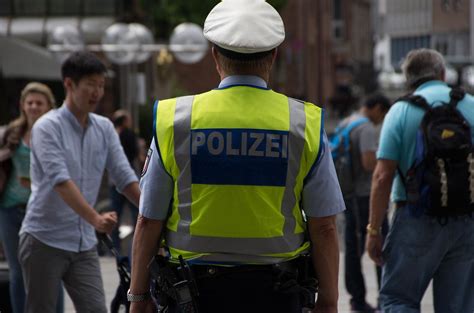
{"points": [[69, 116], [248, 80], [430, 84]]}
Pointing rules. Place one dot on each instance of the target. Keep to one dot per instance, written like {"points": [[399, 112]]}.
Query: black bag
{"points": [[440, 182]]}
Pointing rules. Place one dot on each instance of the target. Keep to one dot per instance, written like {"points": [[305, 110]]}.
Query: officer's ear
{"points": [[274, 55], [216, 57]]}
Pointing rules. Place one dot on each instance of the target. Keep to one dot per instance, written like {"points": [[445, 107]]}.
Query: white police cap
{"points": [[244, 26]]}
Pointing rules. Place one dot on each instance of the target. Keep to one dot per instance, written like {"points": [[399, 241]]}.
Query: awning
{"points": [[21, 59]]}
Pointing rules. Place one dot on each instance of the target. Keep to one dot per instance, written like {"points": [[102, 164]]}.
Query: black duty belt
{"points": [[201, 271]]}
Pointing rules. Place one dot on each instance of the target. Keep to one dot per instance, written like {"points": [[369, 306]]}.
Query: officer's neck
{"points": [[266, 78]]}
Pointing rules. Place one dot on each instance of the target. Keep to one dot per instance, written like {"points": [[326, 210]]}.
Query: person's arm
{"points": [[322, 200], [119, 169], [369, 160], [69, 192], [157, 192], [379, 199], [325, 255], [132, 192], [145, 245]]}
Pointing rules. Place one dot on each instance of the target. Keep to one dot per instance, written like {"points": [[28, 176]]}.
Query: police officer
{"points": [[229, 174]]}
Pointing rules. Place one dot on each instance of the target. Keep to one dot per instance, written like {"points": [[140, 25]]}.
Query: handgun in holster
{"points": [[173, 284]]}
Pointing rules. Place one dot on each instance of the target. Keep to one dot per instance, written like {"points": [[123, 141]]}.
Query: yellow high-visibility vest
{"points": [[238, 157]]}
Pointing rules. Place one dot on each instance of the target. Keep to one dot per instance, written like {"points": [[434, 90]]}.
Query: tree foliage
{"points": [[167, 14]]}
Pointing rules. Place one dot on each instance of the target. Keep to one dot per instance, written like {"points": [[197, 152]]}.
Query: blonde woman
{"points": [[36, 99]]}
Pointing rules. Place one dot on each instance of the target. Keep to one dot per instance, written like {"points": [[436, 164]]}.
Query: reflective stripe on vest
{"points": [[288, 145]]}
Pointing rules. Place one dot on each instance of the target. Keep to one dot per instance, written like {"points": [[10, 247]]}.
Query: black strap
{"points": [[416, 100], [456, 95], [402, 177]]}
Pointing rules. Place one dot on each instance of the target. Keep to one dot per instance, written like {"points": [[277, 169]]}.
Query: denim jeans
{"points": [[418, 250], [357, 217], [10, 223]]}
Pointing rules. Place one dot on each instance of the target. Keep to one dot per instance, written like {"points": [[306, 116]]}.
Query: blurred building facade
{"points": [[326, 58], [327, 55], [24, 29], [403, 25]]}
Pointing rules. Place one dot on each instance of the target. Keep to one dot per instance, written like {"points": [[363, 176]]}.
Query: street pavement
{"points": [[111, 280]]}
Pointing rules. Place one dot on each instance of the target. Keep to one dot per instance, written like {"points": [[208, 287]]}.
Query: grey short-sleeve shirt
{"points": [[363, 139]]}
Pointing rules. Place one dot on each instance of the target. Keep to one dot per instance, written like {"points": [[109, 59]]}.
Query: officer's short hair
{"points": [[377, 99], [81, 64], [260, 64], [422, 65]]}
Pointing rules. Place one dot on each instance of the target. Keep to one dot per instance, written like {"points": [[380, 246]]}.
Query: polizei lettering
{"points": [[237, 142]]}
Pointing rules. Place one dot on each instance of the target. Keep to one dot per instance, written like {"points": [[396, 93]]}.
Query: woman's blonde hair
{"points": [[18, 126]]}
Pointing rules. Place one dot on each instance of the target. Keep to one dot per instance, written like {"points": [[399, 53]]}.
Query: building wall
{"points": [[451, 30], [310, 62], [443, 25], [361, 33], [409, 17], [451, 16]]}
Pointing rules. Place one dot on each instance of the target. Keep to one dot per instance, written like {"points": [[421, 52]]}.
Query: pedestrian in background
{"points": [[422, 246], [363, 141], [70, 149], [36, 99], [128, 139], [228, 176]]}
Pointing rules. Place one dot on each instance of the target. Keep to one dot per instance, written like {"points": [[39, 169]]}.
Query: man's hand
{"points": [[105, 222], [374, 248], [146, 306]]}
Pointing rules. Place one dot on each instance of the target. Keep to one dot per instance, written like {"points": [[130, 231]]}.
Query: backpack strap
{"points": [[456, 95], [349, 127], [416, 100], [341, 135]]}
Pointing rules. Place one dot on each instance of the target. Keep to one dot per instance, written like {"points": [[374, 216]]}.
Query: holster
{"points": [[173, 284], [297, 276]]}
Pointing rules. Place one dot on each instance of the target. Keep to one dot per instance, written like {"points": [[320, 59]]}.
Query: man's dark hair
{"points": [[81, 64], [378, 99]]}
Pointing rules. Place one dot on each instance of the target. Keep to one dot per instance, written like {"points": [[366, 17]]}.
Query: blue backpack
{"points": [[340, 144]]}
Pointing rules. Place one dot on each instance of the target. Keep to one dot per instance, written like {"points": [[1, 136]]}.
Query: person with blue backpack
{"points": [[425, 158], [353, 146]]}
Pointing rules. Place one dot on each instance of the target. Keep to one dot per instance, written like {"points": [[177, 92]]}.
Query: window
{"points": [[337, 21], [6, 8], [30, 7], [102, 7], [401, 46], [452, 45], [60, 7], [64, 7]]}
